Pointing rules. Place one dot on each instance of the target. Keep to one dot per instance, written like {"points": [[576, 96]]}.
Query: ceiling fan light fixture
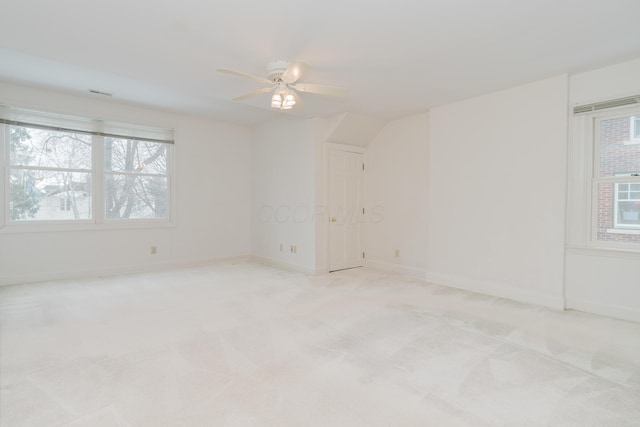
{"points": [[289, 101], [276, 100], [283, 99]]}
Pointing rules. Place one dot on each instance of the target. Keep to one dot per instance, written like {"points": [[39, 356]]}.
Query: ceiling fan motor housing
{"points": [[275, 69]]}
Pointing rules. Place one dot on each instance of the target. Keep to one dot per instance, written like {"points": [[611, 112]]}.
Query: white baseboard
{"points": [[489, 288], [397, 268], [616, 311], [114, 271], [285, 265]]}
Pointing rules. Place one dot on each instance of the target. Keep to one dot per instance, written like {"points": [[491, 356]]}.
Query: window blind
{"points": [[64, 123], [619, 102]]}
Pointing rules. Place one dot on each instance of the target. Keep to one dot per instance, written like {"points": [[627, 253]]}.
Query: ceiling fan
{"points": [[283, 80]]}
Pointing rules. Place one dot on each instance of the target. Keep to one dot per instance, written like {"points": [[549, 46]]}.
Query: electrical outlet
{"points": [[154, 250], [397, 253], [281, 247]]}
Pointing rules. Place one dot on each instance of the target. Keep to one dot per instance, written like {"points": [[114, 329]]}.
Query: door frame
{"points": [[328, 146]]}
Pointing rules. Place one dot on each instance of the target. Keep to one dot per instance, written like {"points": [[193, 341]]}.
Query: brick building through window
{"points": [[618, 205]]}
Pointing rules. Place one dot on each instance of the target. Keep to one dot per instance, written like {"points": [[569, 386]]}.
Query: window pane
{"points": [[605, 199], [123, 155], [617, 156], [49, 195], [636, 127], [46, 148], [136, 196], [628, 214]]}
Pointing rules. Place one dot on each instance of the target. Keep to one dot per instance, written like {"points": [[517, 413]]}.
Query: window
{"points": [[616, 182], [49, 175], [605, 208], [72, 170], [627, 205], [136, 180], [603, 198], [634, 130]]}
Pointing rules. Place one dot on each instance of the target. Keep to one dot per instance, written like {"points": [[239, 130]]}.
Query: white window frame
{"points": [[98, 220], [105, 172], [616, 199], [634, 130], [597, 180], [10, 224], [584, 179]]}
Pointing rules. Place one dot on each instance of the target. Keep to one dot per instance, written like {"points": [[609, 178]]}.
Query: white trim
{"points": [[501, 291], [632, 131], [297, 268], [4, 172], [345, 147], [618, 178], [623, 230], [114, 271], [617, 253], [614, 247], [72, 225], [580, 168], [567, 189], [49, 169], [609, 310], [415, 272], [98, 220]]}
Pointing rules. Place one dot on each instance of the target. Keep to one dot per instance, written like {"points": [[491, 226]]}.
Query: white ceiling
{"points": [[395, 57]]}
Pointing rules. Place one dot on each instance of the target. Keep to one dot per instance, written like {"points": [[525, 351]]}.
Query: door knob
{"points": [[333, 219]]}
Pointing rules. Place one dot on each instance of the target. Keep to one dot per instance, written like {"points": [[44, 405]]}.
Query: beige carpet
{"points": [[243, 344]]}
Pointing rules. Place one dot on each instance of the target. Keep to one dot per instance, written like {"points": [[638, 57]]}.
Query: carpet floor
{"points": [[244, 344]]}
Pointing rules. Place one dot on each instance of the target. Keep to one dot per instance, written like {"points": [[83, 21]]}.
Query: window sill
{"points": [[623, 231], [604, 251], [55, 227]]}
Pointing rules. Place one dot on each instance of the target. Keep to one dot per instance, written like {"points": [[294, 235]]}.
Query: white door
{"points": [[345, 209]]}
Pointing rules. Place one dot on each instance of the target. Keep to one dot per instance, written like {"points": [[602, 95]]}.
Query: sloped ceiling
{"points": [[353, 129], [395, 57]]}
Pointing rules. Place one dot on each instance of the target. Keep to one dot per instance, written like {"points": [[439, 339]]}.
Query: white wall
{"points": [[491, 219], [604, 282], [284, 192], [213, 188], [615, 81], [396, 196], [497, 193]]}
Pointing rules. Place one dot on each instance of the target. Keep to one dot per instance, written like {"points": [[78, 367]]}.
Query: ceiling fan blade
{"points": [[299, 102], [295, 71], [252, 94], [245, 75], [321, 90]]}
